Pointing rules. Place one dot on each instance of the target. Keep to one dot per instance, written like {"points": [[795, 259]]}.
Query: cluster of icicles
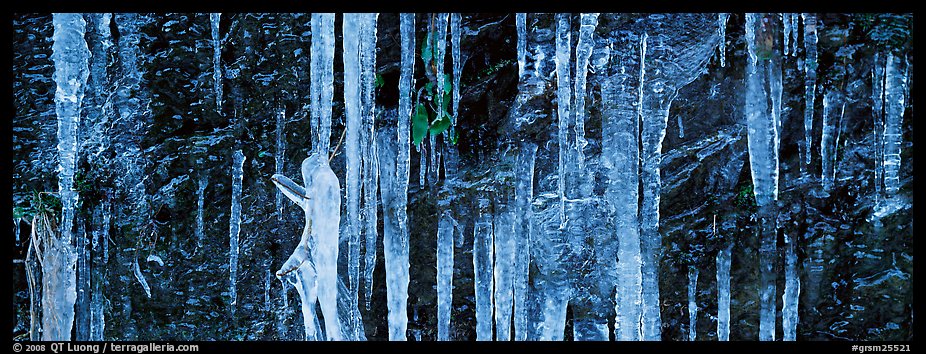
{"points": [[501, 251]]}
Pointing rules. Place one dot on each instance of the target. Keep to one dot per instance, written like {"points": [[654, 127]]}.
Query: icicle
{"points": [[141, 278], [214, 19], [396, 246], [789, 316], [692, 303], [483, 255], [722, 30], [278, 157], [322, 78], [763, 142], [200, 201], [267, 280], [504, 251], [877, 107], [723, 293], [833, 103], [524, 196], [894, 89], [444, 274], [370, 160], [455, 23], [620, 159], [422, 165], [786, 36], [520, 21], [314, 261], [234, 227], [795, 21], [810, 82], [353, 108], [100, 239], [70, 55], [584, 46], [681, 128], [563, 111]]}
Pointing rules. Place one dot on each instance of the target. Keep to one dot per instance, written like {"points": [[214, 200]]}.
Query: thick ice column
{"points": [[504, 245], [322, 78], [620, 160], [353, 108], [214, 19], [895, 86], [563, 100], [789, 315], [71, 57], [692, 303], [833, 108], [810, 83], [723, 293], [524, 196], [234, 227], [370, 161], [483, 255], [396, 245], [762, 76], [584, 46], [654, 112], [445, 229]]}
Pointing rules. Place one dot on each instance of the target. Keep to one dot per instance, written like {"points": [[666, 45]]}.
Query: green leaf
{"points": [[419, 124], [426, 53], [440, 125], [447, 84], [380, 81], [429, 87]]}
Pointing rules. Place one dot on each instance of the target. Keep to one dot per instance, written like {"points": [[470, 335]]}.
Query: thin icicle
{"points": [[895, 86], [563, 99], [370, 160], [455, 47], [692, 303], [789, 315], [214, 20], [278, 157], [445, 231], [810, 82], [833, 105], [877, 98], [234, 227], [787, 28], [795, 22], [141, 278], [722, 30], [200, 201], [723, 293], [681, 128], [322, 78], [520, 21], [524, 195]]}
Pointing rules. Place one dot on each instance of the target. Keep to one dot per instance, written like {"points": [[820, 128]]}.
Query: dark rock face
{"points": [[156, 148]]}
